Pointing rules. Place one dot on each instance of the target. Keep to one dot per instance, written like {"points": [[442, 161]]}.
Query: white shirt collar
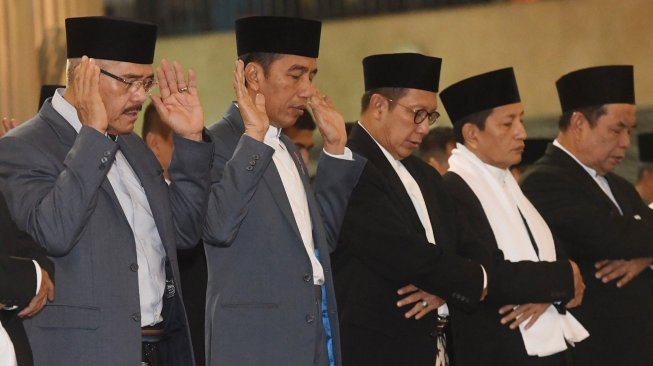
{"points": [[394, 162], [65, 109]]}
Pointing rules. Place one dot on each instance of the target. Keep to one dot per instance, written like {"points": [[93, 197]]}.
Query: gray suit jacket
{"points": [[261, 299], [56, 187]]}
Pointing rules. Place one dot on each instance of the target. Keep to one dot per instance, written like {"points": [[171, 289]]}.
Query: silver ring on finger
{"points": [[184, 89], [424, 304]]}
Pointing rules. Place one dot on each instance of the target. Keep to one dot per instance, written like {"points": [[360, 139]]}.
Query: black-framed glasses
{"points": [[419, 114], [133, 85]]}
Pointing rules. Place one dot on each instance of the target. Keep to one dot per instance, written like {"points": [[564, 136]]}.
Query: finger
{"points": [[616, 273], [607, 269], [32, 307], [414, 297], [192, 82], [182, 85], [600, 264], [415, 309], [164, 88], [506, 308], [517, 312], [260, 102], [533, 319], [169, 76], [628, 276], [406, 289]]}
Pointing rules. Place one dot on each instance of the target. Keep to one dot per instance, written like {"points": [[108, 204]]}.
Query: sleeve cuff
{"points": [[347, 155], [484, 278], [38, 276]]}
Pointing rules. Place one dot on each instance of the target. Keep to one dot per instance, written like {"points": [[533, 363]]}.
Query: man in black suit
{"points": [[499, 227], [605, 226], [25, 286], [392, 257]]}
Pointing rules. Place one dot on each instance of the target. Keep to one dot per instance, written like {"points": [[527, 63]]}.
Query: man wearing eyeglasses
{"points": [[89, 191], [393, 261]]}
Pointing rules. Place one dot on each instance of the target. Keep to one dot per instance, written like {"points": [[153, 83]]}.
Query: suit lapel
{"points": [[582, 177], [363, 143]]}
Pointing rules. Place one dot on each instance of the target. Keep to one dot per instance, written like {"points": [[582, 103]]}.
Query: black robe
{"points": [[620, 321], [18, 279], [383, 247], [479, 337]]}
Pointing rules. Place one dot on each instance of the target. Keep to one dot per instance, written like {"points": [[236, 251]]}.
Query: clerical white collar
{"points": [[589, 170], [498, 173]]}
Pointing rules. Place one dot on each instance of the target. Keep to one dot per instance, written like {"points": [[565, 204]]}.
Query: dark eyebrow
{"points": [[301, 68]]}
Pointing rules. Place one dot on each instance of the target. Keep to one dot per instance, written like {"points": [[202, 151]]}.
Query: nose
{"points": [[139, 95], [624, 140], [423, 127], [306, 88], [520, 133]]}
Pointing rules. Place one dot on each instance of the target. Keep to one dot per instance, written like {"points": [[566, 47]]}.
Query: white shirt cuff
{"points": [[484, 278], [347, 155], [38, 276]]}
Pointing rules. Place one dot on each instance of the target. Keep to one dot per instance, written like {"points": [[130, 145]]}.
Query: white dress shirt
{"points": [[150, 253], [600, 180]]}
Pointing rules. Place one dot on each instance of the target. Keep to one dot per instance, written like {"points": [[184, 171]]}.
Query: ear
{"points": [[470, 135], [378, 104], [152, 141], [253, 75]]}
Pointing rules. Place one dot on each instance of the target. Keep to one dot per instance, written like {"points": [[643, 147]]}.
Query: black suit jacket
{"points": [[383, 247], [620, 321], [479, 337], [18, 279]]}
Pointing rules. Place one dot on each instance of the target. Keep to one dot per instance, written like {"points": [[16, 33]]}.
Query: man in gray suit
{"points": [[269, 237], [87, 189]]}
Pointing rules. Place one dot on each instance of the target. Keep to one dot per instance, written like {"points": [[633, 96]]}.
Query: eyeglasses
{"points": [[134, 85], [420, 114]]}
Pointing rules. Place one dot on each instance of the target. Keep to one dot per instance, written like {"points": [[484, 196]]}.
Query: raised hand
{"points": [[179, 104], [253, 112], [424, 301], [330, 123], [515, 315], [623, 270], [8, 124], [85, 95]]}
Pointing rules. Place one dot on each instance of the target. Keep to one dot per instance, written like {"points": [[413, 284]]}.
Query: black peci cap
{"points": [[290, 36], [596, 86], [479, 93], [402, 70], [110, 38]]}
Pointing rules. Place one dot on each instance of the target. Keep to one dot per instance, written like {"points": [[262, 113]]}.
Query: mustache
{"points": [[136, 108]]}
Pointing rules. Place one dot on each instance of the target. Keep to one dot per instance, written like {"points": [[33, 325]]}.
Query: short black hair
{"points": [[478, 119], [390, 93], [265, 59], [592, 113], [434, 145]]}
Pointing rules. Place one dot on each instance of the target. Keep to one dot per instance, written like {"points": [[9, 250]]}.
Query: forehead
{"points": [[508, 110], [285, 62], [420, 98], [620, 113], [126, 68]]}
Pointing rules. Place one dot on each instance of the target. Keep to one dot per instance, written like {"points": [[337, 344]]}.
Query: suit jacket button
{"points": [[102, 166], [307, 277], [107, 153], [252, 162], [255, 156], [136, 317], [250, 168], [133, 267], [104, 159], [310, 318]]}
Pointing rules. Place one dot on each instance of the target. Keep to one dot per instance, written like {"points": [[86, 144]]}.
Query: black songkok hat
{"points": [[402, 70], [533, 150], [596, 86], [46, 92], [109, 38], [480, 93], [290, 36], [645, 142]]}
